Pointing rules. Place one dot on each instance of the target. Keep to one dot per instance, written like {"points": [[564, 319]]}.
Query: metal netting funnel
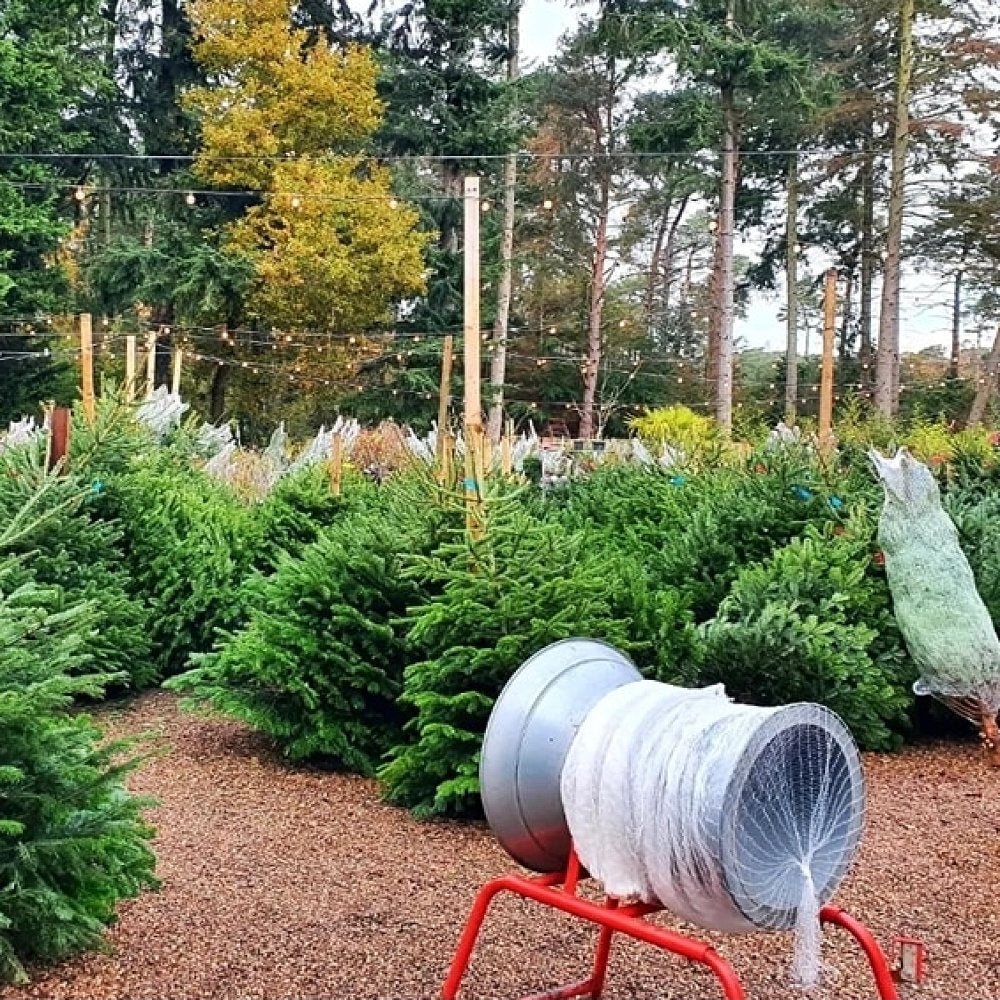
{"points": [[795, 799], [728, 815], [531, 727]]}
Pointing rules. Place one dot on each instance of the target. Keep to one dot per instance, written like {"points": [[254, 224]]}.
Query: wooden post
{"points": [[87, 366], [446, 446], [175, 381], [471, 356], [826, 372], [59, 425], [130, 368], [444, 399], [507, 450], [337, 465], [150, 364], [473, 403]]}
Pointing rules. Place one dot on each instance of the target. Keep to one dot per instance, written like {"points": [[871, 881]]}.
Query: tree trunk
{"points": [[985, 389], [595, 313], [726, 289], [714, 322], [887, 361], [845, 320], [867, 265], [217, 392], [668, 255], [956, 326], [792, 293], [498, 363], [655, 262]]}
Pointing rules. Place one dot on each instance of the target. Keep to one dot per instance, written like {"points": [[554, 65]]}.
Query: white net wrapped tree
{"points": [[946, 626]]}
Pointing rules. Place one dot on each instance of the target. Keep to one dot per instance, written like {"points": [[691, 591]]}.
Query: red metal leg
{"points": [[876, 959], [468, 939], [624, 920]]}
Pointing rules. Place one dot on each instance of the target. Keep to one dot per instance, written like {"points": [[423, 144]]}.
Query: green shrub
{"points": [[977, 516], [692, 434], [77, 557], [72, 842], [813, 622], [190, 545], [301, 505], [737, 517], [496, 600], [320, 663]]}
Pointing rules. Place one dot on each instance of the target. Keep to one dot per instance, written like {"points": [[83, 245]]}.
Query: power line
{"points": [[969, 156]]}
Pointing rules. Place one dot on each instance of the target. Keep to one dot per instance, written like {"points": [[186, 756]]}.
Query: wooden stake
{"points": [[826, 372], [87, 366], [471, 357], [473, 403], [507, 450], [130, 368], [175, 382], [59, 427], [446, 446], [150, 364], [444, 399], [337, 465]]}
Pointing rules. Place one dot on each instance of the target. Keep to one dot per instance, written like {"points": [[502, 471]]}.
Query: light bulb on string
{"points": [[190, 199], [80, 193], [393, 203]]}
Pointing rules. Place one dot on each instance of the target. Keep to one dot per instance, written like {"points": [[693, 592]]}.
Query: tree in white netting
{"points": [[944, 621]]}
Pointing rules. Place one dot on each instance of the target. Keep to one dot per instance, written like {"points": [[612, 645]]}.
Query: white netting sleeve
{"points": [[731, 816]]}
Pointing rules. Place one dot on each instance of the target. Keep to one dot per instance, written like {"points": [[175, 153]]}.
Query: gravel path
{"points": [[297, 884]]}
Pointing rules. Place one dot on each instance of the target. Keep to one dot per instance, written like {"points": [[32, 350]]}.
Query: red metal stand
{"points": [[559, 891]]}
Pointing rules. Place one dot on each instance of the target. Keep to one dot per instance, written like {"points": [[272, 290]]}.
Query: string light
{"points": [[80, 193], [190, 198]]}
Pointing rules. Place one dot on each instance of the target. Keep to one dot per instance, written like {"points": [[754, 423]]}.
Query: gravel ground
{"points": [[297, 884]]}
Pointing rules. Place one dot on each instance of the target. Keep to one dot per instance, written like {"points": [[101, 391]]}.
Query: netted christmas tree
{"points": [[946, 625]]}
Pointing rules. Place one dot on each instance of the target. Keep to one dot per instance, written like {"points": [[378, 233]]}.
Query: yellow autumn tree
{"points": [[286, 116]]}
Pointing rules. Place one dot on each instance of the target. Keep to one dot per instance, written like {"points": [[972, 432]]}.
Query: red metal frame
{"points": [[559, 891]]}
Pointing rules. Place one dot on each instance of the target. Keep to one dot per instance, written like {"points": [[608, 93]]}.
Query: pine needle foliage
{"points": [[191, 544], [77, 556], [319, 665], [497, 598], [72, 841], [301, 505], [813, 622]]}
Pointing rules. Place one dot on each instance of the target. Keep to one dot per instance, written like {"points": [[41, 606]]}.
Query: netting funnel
{"points": [[533, 723], [727, 815], [796, 796]]}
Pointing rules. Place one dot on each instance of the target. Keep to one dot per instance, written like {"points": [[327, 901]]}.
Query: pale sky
{"points": [[926, 303]]}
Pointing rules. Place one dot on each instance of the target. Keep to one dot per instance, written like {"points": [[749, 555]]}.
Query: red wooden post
{"points": [[59, 423]]}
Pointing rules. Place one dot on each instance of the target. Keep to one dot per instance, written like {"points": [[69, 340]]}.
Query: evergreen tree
{"points": [[48, 71], [72, 842], [496, 600]]}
